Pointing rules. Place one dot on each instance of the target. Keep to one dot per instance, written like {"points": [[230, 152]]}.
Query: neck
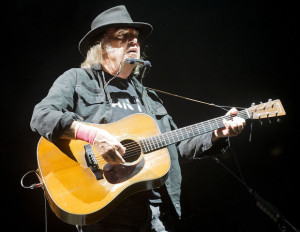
{"points": [[125, 69]]}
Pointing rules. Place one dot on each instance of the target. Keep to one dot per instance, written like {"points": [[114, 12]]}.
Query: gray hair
{"points": [[94, 57]]}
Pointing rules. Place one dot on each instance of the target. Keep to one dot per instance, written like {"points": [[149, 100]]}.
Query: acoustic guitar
{"points": [[82, 188]]}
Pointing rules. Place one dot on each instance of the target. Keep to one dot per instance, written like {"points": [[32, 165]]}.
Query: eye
{"points": [[121, 36]]}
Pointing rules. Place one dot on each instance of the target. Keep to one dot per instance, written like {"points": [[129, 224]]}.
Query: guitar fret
{"points": [[187, 131], [170, 137], [159, 141], [162, 141], [176, 133], [146, 145], [156, 142], [143, 146], [203, 128], [166, 137], [213, 124], [193, 130], [209, 126], [220, 122], [180, 133], [149, 144], [153, 143], [165, 142], [196, 129], [190, 131]]}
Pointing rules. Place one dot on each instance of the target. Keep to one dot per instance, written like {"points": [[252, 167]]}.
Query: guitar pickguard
{"points": [[115, 174]]}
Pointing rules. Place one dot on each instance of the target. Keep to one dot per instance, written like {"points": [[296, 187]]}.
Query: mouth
{"points": [[132, 50]]}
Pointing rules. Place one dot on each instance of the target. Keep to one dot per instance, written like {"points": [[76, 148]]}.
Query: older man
{"points": [[104, 90]]}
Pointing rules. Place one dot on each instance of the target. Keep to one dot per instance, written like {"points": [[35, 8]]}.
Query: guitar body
{"points": [[76, 196]]}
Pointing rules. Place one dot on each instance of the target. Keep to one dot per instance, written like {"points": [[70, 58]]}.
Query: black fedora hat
{"points": [[117, 16]]}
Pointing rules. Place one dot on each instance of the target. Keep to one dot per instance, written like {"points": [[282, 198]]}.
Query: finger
{"points": [[119, 157], [230, 127], [233, 128], [239, 122], [113, 157], [120, 148], [225, 130], [107, 158], [225, 122], [232, 112]]}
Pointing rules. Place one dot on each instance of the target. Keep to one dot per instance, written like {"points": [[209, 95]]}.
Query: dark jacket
{"points": [[81, 94]]}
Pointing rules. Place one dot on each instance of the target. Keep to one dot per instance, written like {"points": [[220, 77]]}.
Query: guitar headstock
{"points": [[266, 110]]}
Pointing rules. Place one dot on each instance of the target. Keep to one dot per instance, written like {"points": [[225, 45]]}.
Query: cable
{"points": [[32, 186], [237, 163], [190, 99], [36, 186], [262, 204], [114, 77], [46, 216]]}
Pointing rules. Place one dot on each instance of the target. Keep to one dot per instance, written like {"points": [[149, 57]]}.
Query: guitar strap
{"points": [[197, 101]]}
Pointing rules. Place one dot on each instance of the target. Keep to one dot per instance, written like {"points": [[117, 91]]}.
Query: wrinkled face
{"points": [[119, 43]]}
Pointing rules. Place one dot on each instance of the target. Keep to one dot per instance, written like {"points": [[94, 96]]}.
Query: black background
{"points": [[226, 52]]}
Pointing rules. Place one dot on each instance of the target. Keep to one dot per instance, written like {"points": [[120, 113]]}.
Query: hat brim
{"points": [[92, 36]]}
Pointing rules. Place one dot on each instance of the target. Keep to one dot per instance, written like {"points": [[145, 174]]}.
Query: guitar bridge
{"points": [[92, 162]]}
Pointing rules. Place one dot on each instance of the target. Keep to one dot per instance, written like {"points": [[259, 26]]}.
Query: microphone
{"points": [[145, 63]]}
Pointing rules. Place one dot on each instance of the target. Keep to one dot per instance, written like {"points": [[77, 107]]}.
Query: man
{"points": [[105, 89]]}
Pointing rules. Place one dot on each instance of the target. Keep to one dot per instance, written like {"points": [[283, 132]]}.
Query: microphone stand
{"points": [[265, 206]]}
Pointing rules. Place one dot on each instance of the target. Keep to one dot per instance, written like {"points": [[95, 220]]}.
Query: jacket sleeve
{"points": [[54, 113], [201, 146]]}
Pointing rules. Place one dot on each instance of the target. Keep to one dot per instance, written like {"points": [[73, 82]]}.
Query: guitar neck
{"points": [[162, 140]]}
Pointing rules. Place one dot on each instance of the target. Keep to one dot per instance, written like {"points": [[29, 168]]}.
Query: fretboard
{"points": [[163, 140]]}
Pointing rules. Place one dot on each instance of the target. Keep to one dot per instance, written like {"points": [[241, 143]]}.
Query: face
{"points": [[118, 44]]}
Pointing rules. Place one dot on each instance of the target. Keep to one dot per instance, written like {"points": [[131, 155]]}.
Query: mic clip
{"points": [[145, 63]]}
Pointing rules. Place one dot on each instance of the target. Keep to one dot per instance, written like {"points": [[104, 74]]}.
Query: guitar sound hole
{"points": [[133, 150]]}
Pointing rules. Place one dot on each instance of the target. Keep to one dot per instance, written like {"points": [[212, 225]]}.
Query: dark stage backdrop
{"points": [[225, 52]]}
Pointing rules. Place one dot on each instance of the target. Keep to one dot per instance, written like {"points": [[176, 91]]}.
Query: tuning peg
{"points": [[278, 119], [270, 100], [253, 104], [261, 123], [269, 118]]}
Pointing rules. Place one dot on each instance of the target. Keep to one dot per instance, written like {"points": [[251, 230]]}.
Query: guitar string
{"points": [[182, 132], [153, 141], [134, 148]]}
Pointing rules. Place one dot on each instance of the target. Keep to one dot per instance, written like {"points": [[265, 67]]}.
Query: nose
{"points": [[132, 40]]}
